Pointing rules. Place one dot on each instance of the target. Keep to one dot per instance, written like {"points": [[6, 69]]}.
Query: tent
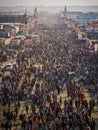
{"points": [[8, 41]]}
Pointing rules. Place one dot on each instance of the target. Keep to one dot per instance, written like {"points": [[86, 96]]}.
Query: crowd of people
{"points": [[65, 66]]}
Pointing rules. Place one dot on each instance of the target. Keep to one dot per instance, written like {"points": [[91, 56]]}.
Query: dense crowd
{"points": [[65, 65]]}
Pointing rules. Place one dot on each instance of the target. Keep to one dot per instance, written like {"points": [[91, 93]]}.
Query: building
{"points": [[35, 17], [11, 18], [87, 17], [93, 26], [25, 17], [92, 34], [6, 31]]}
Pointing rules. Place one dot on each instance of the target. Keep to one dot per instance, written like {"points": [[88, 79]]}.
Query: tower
{"points": [[65, 10], [35, 13], [25, 31], [35, 16], [25, 17]]}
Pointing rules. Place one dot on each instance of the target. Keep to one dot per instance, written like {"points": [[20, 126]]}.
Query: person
{"points": [[97, 99], [9, 125], [16, 110], [14, 118], [60, 101], [6, 125], [27, 108], [93, 124]]}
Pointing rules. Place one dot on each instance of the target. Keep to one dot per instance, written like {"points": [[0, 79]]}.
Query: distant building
{"points": [[65, 11], [73, 15], [25, 17], [35, 17], [35, 13], [87, 17], [11, 18], [93, 25]]}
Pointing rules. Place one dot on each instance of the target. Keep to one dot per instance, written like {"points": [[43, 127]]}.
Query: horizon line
{"points": [[49, 5]]}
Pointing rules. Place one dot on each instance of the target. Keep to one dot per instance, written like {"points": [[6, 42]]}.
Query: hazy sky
{"points": [[47, 2]]}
